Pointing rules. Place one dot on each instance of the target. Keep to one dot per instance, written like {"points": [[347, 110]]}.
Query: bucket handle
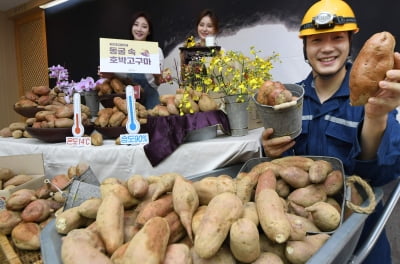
{"points": [[284, 105], [370, 195]]}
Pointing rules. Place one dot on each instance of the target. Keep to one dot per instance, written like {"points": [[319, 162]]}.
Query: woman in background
{"points": [[142, 30], [206, 25]]}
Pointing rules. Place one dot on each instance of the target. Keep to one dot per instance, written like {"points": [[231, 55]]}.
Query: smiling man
{"points": [[365, 138]]}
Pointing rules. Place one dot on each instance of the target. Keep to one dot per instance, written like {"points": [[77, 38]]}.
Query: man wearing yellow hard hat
{"points": [[366, 138]]}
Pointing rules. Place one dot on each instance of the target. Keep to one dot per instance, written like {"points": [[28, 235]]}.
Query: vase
{"points": [[238, 114], [92, 101]]}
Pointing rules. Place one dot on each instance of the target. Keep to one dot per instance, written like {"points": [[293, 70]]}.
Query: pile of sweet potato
{"points": [[184, 102], [281, 211], [274, 93], [27, 211], [37, 96]]}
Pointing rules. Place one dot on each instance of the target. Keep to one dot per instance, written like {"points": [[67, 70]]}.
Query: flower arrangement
{"points": [[233, 73], [69, 88]]}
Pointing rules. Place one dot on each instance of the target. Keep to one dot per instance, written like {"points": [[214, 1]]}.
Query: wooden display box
{"points": [[30, 164]]}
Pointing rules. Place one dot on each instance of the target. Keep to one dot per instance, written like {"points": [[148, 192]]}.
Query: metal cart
{"points": [[339, 249]]}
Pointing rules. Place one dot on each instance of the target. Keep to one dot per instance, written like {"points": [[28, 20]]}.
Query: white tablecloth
{"points": [[122, 161]]}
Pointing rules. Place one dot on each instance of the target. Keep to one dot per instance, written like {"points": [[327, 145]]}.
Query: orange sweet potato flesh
{"points": [[375, 58]]}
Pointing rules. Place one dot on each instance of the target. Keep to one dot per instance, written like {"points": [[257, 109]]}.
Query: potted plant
{"points": [[86, 87], [236, 77]]}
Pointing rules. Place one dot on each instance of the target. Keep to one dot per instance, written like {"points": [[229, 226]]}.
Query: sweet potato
{"points": [[63, 122], [222, 256], [68, 220], [65, 111], [178, 253], [221, 212], [250, 212], [90, 207], [299, 252], [110, 225], [118, 188], [185, 202], [121, 104], [207, 188], [17, 126], [298, 161], [160, 207], [263, 166], [8, 220], [117, 85], [6, 174], [20, 199], [325, 216], [41, 90], [149, 245], [333, 182], [116, 119], [80, 249], [375, 58], [88, 236], [319, 171], [244, 240], [96, 139], [268, 257], [206, 103], [137, 186], [296, 209], [295, 176], [282, 188], [176, 229], [18, 180], [25, 103], [37, 211], [130, 229], [271, 213], [197, 216], [26, 235], [165, 184], [245, 186], [308, 195], [301, 226], [267, 245], [104, 117]]}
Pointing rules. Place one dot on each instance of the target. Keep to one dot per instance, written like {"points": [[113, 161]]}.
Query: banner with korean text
{"points": [[129, 56]]}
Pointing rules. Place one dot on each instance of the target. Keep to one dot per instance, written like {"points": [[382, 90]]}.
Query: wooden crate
{"points": [[9, 254]]}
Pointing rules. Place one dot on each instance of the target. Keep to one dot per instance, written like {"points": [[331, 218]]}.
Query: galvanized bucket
{"points": [[92, 101], [285, 119], [238, 115]]}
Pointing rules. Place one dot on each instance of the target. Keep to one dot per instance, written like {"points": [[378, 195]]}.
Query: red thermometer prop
{"points": [[77, 127]]}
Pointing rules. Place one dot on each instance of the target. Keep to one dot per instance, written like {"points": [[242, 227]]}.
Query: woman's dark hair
{"points": [[148, 19], [213, 17]]}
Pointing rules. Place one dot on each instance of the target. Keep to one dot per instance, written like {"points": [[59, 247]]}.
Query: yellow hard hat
{"points": [[328, 16]]}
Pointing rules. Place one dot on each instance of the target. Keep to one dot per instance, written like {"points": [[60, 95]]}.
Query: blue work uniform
{"points": [[333, 129]]}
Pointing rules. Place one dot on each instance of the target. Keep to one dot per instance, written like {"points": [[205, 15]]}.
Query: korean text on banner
{"points": [[129, 56]]}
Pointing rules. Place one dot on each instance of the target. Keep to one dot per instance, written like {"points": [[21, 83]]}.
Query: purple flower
{"points": [[69, 88]]}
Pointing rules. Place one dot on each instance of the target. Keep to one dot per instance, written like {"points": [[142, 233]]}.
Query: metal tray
{"points": [[339, 249]]}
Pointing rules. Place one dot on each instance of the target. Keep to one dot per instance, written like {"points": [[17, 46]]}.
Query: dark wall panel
{"points": [[73, 29]]}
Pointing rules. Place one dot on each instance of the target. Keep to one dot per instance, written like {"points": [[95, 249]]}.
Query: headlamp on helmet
{"points": [[328, 16]]}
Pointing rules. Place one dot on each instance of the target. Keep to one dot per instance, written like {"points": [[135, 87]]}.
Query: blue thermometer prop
{"points": [[132, 126], [77, 127]]}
